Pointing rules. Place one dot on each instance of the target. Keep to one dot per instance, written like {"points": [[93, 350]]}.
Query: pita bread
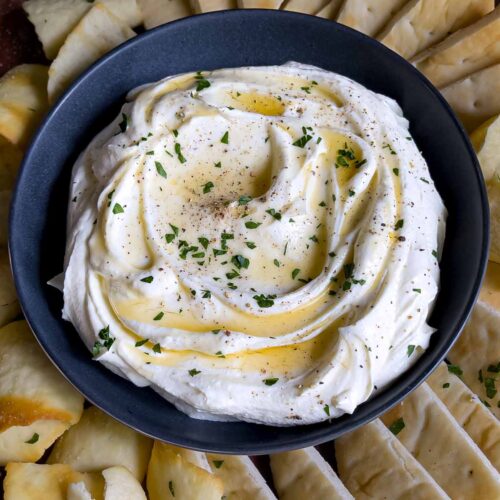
{"points": [[16, 443], [200, 6], [55, 19], [486, 142], [478, 348], [9, 306], [98, 442], [372, 463], [156, 12], [31, 388], [368, 16], [98, 32], [443, 448], [120, 484], [169, 472], [422, 23], [197, 458], [329, 11], [35, 481], [305, 6], [78, 491], [240, 477], [23, 102], [304, 474], [468, 50], [259, 4], [468, 411], [476, 97]]}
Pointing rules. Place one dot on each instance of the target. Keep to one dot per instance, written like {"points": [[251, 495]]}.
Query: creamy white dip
{"points": [[255, 243]]}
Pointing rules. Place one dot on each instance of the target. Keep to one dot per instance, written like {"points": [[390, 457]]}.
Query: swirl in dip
{"points": [[255, 243]]}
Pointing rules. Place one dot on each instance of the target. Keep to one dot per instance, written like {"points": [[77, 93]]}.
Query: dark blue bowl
{"points": [[219, 40]]}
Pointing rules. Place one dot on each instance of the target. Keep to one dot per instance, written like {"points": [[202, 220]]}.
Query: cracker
{"points": [[305, 473], [240, 477], [442, 447], [170, 473], [468, 411], [156, 12], [372, 463], [98, 442], [468, 50], [422, 23], [120, 484], [55, 19], [35, 481], [200, 6], [23, 102], [330, 10], [368, 16], [98, 32], [478, 348]]}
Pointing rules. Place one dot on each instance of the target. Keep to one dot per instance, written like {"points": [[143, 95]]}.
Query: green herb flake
{"points": [[218, 165], [250, 244], [157, 348], [178, 152], [240, 262], [446, 385], [270, 381], [159, 316], [118, 209], [273, 213], [208, 187], [244, 200], [396, 171], [417, 290], [326, 409], [160, 169], [218, 463], [252, 225], [410, 350], [264, 300], [295, 273], [397, 426], [203, 242], [456, 370], [33, 439], [225, 138], [124, 123], [147, 279], [399, 224], [140, 343], [193, 372]]}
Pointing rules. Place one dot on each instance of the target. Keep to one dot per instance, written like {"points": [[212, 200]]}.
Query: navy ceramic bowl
{"points": [[220, 40]]}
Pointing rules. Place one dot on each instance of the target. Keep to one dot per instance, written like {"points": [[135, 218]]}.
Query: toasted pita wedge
{"points": [[330, 10], [55, 19], [23, 102], [372, 463], [98, 32], [477, 351], [98, 442], [305, 6], [486, 142], [9, 306], [36, 481], [200, 6], [476, 97], [120, 484], [156, 12], [195, 457], [468, 50], [422, 23], [468, 411], [368, 16], [304, 474], [259, 4], [28, 443], [431, 434], [241, 478], [78, 491], [170, 473], [31, 391]]}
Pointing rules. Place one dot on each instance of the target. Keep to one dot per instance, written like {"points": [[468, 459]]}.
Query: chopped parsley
{"points": [[225, 138], [207, 294], [270, 381], [160, 169], [399, 224], [396, 171], [208, 187], [456, 370], [244, 200], [264, 300], [326, 409], [157, 348], [295, 273], [159, 316], [140, 343], [203, 242], [118, 209], [218, 463], [250, 244], [107, 341], [240, 262], [417, 290], [446, 385], [218, 165], [273, 213], [193, 372], [489, 384], [252, 225], [410, 350], [33, 439], [397, 426], [178, 152], [147, 279], [276, 262], [202, 82], [171, 488], [494, 368], [302, 141]]}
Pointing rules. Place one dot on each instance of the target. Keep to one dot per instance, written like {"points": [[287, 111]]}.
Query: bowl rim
{"points": [[299, 440]]}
